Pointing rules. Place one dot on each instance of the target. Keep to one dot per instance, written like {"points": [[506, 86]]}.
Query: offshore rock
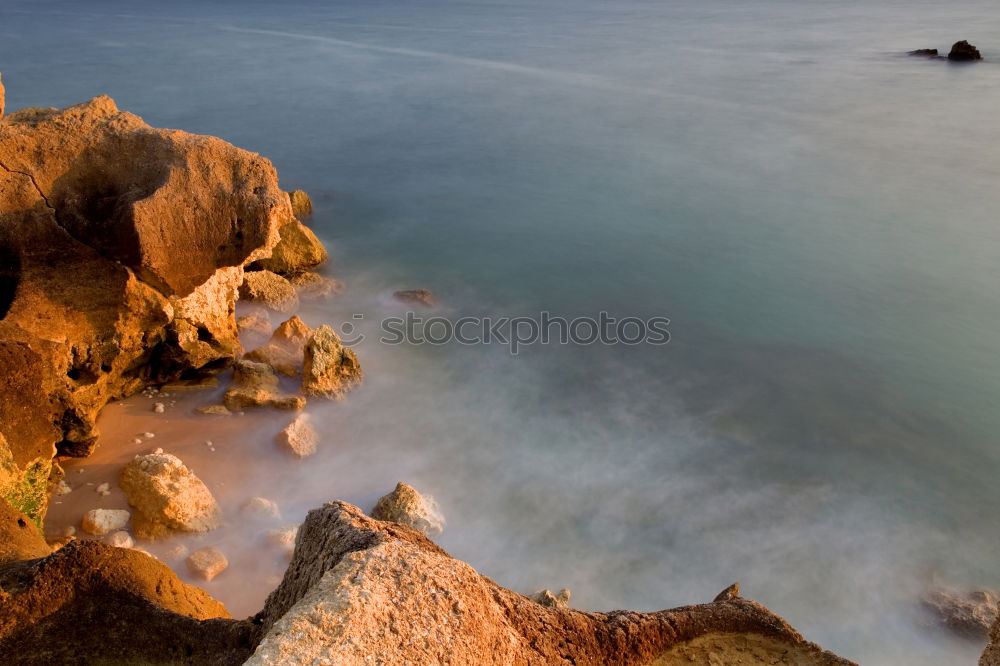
{"points": [[424, 297], [168, 496], [330, 369], [315, 286], [299, 438], [120, 250], [970, 614], [406, 506], [358, 587], [963, 51]]}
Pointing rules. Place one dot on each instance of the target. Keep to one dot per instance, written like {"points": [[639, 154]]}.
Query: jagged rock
{"points": [[546, 598], [89, 603], [120, 249], [358, 587], [121, 540], [302, 205], [969, 614], [270, 289], [406, 506], [299, 438], [103, 521], [731, 592], [330, 369], [20, 538], [423, 297], [207, 563], [255, 322], [284, 351], [168, 496], [214, 410], [298, 250], [964, 51], [261, 508], [313, 285], [256, 385]]}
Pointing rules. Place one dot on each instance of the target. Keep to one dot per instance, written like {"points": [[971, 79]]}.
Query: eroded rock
{"points": [[406, 506], [547, 598], [298, 250], [969, 613], [261, 508], [269, 289], [168, 496], [255, 322], [330, 369], [20, 538], [299, 438], [284, 351], [963, 51], [256, 385], [302, 206], [315, 286], [207, 563]]}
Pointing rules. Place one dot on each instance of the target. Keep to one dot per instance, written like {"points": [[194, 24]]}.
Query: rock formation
{"points": [[302, 205], [963, 51], [406, 506], [207, 563], [298, 250], [167, 496], [269, 289], [423, 297], [970, 614], [299, 438], [547, 598], [284, 351], [330, 369], [358, 588], [104, 521], [256, 385], [121, 250], [924, 52]]}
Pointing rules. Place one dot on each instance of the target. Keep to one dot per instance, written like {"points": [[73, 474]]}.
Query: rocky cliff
{"points": [[121, 252]]}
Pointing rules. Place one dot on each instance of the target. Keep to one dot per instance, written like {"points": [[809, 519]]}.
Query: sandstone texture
{"points": [[269, 289], [167, 496], [89, 603], [284, 351], [330, 369], [255, 322], [104, 521], [362, 591], [406, 506], [256, 385], [298, 250], [121, 251], [969, 613], [207, 563], [991, 655], [20, 538], [299, 438]]}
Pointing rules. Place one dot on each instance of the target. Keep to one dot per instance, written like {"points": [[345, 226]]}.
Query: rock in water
{"points": [[406, 506], [168, 496], [256, 385], [963, 51], [330, 369], [302, 205], [298, 250], [299, 438], [104, 521], [358, 588], [270, 289], [969, 614], [923, 52], [255, 322], [423, 297], [207, 563], [262, 508], [314, 286], [546, 598], [121, 248], [284, 351]]}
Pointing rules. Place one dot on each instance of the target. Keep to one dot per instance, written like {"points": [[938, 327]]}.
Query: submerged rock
{"points": [[299, 438], [302, 206], [214, 410], [284, 351], [256, 385], [330, 369], [207, 563], [546, 598], [964, 51], [970, 614], [104, 521], [313, 285], [270, 289], [923, 52], [168, 496], [358, 588], [255, 322], [406, 506], [261, 508], [423, 297]]}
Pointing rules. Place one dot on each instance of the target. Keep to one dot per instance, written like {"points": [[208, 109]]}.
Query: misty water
{"points": [[814, 211]]}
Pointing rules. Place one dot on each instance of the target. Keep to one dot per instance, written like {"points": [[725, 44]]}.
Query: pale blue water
{"points": [[814, 211]]}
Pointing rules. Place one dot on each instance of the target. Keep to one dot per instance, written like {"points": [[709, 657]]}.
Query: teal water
{"points": [[814, 212]]}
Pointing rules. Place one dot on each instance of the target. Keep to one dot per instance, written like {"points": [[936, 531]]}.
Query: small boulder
{"points": [[121, 539], [270, 289], [423, 297], [256, 385], [963, 51], [284, 350], [546, 598], [406, 506], [168, 496], [330, 369], [298, 250], [261, 508], [302, 206], [283, 536], [969, 614], [299, 438], [207, 563], [255, 322], [313, 285], [104, 521]]}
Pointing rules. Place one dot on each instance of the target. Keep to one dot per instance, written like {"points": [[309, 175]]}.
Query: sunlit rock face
{"points": [[121, 252]]}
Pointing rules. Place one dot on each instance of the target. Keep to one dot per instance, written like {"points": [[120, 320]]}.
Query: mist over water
{"points": [[814, 212]]}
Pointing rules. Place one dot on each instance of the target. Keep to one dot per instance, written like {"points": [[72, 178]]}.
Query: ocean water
{"points": [[814, 211]]}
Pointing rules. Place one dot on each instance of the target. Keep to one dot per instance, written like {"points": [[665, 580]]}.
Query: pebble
{"points": [[69, 531], [104, 489], [159, 407], [137, 440], [63, 488], [102, 521], [149, 435]]}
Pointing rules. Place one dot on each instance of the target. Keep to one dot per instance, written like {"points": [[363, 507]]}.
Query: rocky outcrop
{"points": [[89, 603], [406, 506], [359, 589], [269, 289], [963, 51], [20, 538], [330, 369], [121, 249], [969, 614], [167, 496], [298, 250], [923, 52], [256, 385]]}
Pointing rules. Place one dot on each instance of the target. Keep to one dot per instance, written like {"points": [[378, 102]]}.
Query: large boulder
{"points": [[121, 248], [330, 369], [89, 603], [406, 506], [167, 496], [358, 587]]}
